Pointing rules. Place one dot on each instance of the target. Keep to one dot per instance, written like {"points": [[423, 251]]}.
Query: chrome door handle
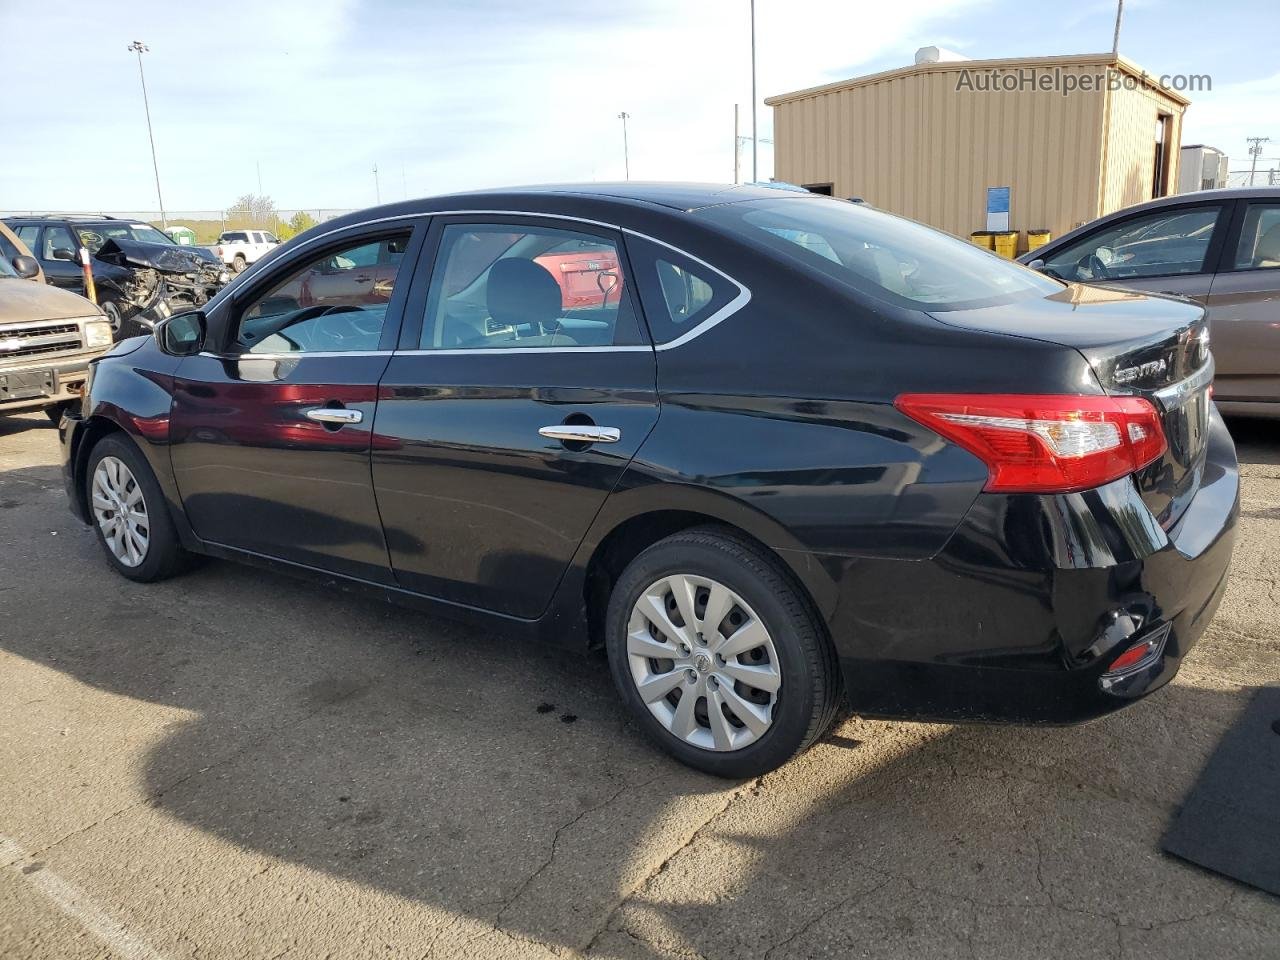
{"points": [[582, 433], [338, 415]]}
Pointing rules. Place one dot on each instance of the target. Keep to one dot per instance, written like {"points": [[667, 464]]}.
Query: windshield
{"points": [[95, 235], [6, 269], [886, 256]]}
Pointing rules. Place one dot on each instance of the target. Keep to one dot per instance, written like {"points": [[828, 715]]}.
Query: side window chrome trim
{"points": [[728, 310]]}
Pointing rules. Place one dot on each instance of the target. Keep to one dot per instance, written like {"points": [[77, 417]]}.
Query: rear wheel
{"points": [[238, 263], [719, 654], [129, 513]]}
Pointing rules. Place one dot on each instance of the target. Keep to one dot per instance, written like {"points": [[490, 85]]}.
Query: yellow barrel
{"points": [[1038, 238], [1006, 243], [981, 238]]}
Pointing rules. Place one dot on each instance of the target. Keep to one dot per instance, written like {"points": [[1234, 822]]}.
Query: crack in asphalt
{"points": [[620, 903], [555, 840]]}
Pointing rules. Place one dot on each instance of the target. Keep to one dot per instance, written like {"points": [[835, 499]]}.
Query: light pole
{"points": [[140, 48], [755, 141], [626, 157], [377, 185]]}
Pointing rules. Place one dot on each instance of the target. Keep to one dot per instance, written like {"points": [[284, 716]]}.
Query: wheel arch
{"points": [[94, 430], [625, 535]]}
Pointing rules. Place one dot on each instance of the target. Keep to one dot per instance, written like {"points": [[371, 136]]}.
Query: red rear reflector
{"points": [[1044, 443], [1131, 656]]}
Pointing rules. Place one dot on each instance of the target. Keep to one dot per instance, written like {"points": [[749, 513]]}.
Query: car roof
{"points": [[676, 196], [1197, 196]]}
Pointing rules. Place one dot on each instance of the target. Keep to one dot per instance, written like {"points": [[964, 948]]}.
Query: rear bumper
{"points": [[1020, 616]]}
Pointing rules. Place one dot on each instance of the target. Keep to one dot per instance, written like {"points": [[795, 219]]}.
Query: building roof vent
{"points": [[938, 55]]}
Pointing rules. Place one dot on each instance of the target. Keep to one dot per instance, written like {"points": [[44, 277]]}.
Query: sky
{"points": [[447, 95]]}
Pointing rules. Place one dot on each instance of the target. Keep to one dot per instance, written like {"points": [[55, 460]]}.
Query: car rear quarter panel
{"points": [[780, 421]]}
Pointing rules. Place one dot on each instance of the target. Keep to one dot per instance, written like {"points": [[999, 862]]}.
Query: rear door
{"points": [[1244, 307], [510, 410], [271, 430]]}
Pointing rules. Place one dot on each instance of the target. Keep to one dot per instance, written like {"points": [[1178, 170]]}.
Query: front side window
{"points": [[1259, 247], [336, 302], [502, 286], [1165, 243], [879, 254], [57, 238]]}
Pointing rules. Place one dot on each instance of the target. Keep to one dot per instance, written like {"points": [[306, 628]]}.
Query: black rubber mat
{"points": [[1230, 822]]}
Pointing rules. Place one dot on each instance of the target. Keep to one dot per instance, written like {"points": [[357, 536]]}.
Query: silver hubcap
{"points": [[703, 662], [121, 511]]}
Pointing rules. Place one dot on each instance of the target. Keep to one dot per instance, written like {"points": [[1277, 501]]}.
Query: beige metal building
{"points": [[1072, 137]]}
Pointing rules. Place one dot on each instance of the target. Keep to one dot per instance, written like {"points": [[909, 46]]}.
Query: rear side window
{"points": [[1259, 247], [506, 286], [28, 233], [879, 254], [678, 293]]}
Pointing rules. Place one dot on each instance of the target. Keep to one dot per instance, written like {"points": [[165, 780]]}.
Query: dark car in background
{"points": [[140, 274], [1220, 248], [803, 456]]}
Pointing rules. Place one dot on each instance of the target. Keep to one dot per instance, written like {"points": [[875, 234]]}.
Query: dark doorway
{"points": [[822, 188], [1160, 172]]}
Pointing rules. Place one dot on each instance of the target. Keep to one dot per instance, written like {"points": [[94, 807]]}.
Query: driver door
{"points": [[271, 430]]}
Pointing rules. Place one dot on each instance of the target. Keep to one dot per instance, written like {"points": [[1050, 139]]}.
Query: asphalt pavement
{"points": [[237, 764]]}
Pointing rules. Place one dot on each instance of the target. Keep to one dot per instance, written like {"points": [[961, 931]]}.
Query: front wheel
{"points": [[114, 315], [238, 263], [719, 655], [129, 513]]}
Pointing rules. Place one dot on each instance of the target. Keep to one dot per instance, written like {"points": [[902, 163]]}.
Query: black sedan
{"points": [[780, 455]]}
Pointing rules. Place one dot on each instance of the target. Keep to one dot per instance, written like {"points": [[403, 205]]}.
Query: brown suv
{"points": [[47, 338]]}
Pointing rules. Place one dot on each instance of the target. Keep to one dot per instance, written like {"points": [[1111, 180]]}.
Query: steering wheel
{"points": [[1093, 263], [341, 324]]}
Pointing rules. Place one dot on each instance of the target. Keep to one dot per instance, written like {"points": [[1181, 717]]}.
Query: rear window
{"points": [[877, 253]]}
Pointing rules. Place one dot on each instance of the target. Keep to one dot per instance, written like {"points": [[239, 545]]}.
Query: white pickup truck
{"points": [[239, 248]]}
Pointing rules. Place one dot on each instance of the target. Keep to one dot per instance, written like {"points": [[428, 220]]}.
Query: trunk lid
{"points": [[1137, 345]]}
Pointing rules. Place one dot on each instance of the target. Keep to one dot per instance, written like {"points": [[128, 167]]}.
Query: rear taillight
{"points": [[1044, 443]]}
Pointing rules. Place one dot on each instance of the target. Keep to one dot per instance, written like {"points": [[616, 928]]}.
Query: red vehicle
{"points": [[587, 273]]}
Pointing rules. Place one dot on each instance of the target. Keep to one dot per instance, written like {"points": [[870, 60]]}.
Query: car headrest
{"points": [[1268, 247], [521, 291]]}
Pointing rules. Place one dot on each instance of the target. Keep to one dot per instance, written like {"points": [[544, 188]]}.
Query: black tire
{"points": [[810, 696], [238, 263], [115, 316], [164, 555]]}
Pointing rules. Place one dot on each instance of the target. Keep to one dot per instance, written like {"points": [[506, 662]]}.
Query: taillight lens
{"points": [[1044, 443]]}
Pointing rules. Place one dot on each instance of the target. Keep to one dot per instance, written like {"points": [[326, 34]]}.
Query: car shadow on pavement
{"points": [[501, 785]]}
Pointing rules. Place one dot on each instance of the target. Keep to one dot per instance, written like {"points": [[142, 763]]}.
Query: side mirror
{"points": [[182, 335], [27, 267], [62, 253], [1037, 264]]}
